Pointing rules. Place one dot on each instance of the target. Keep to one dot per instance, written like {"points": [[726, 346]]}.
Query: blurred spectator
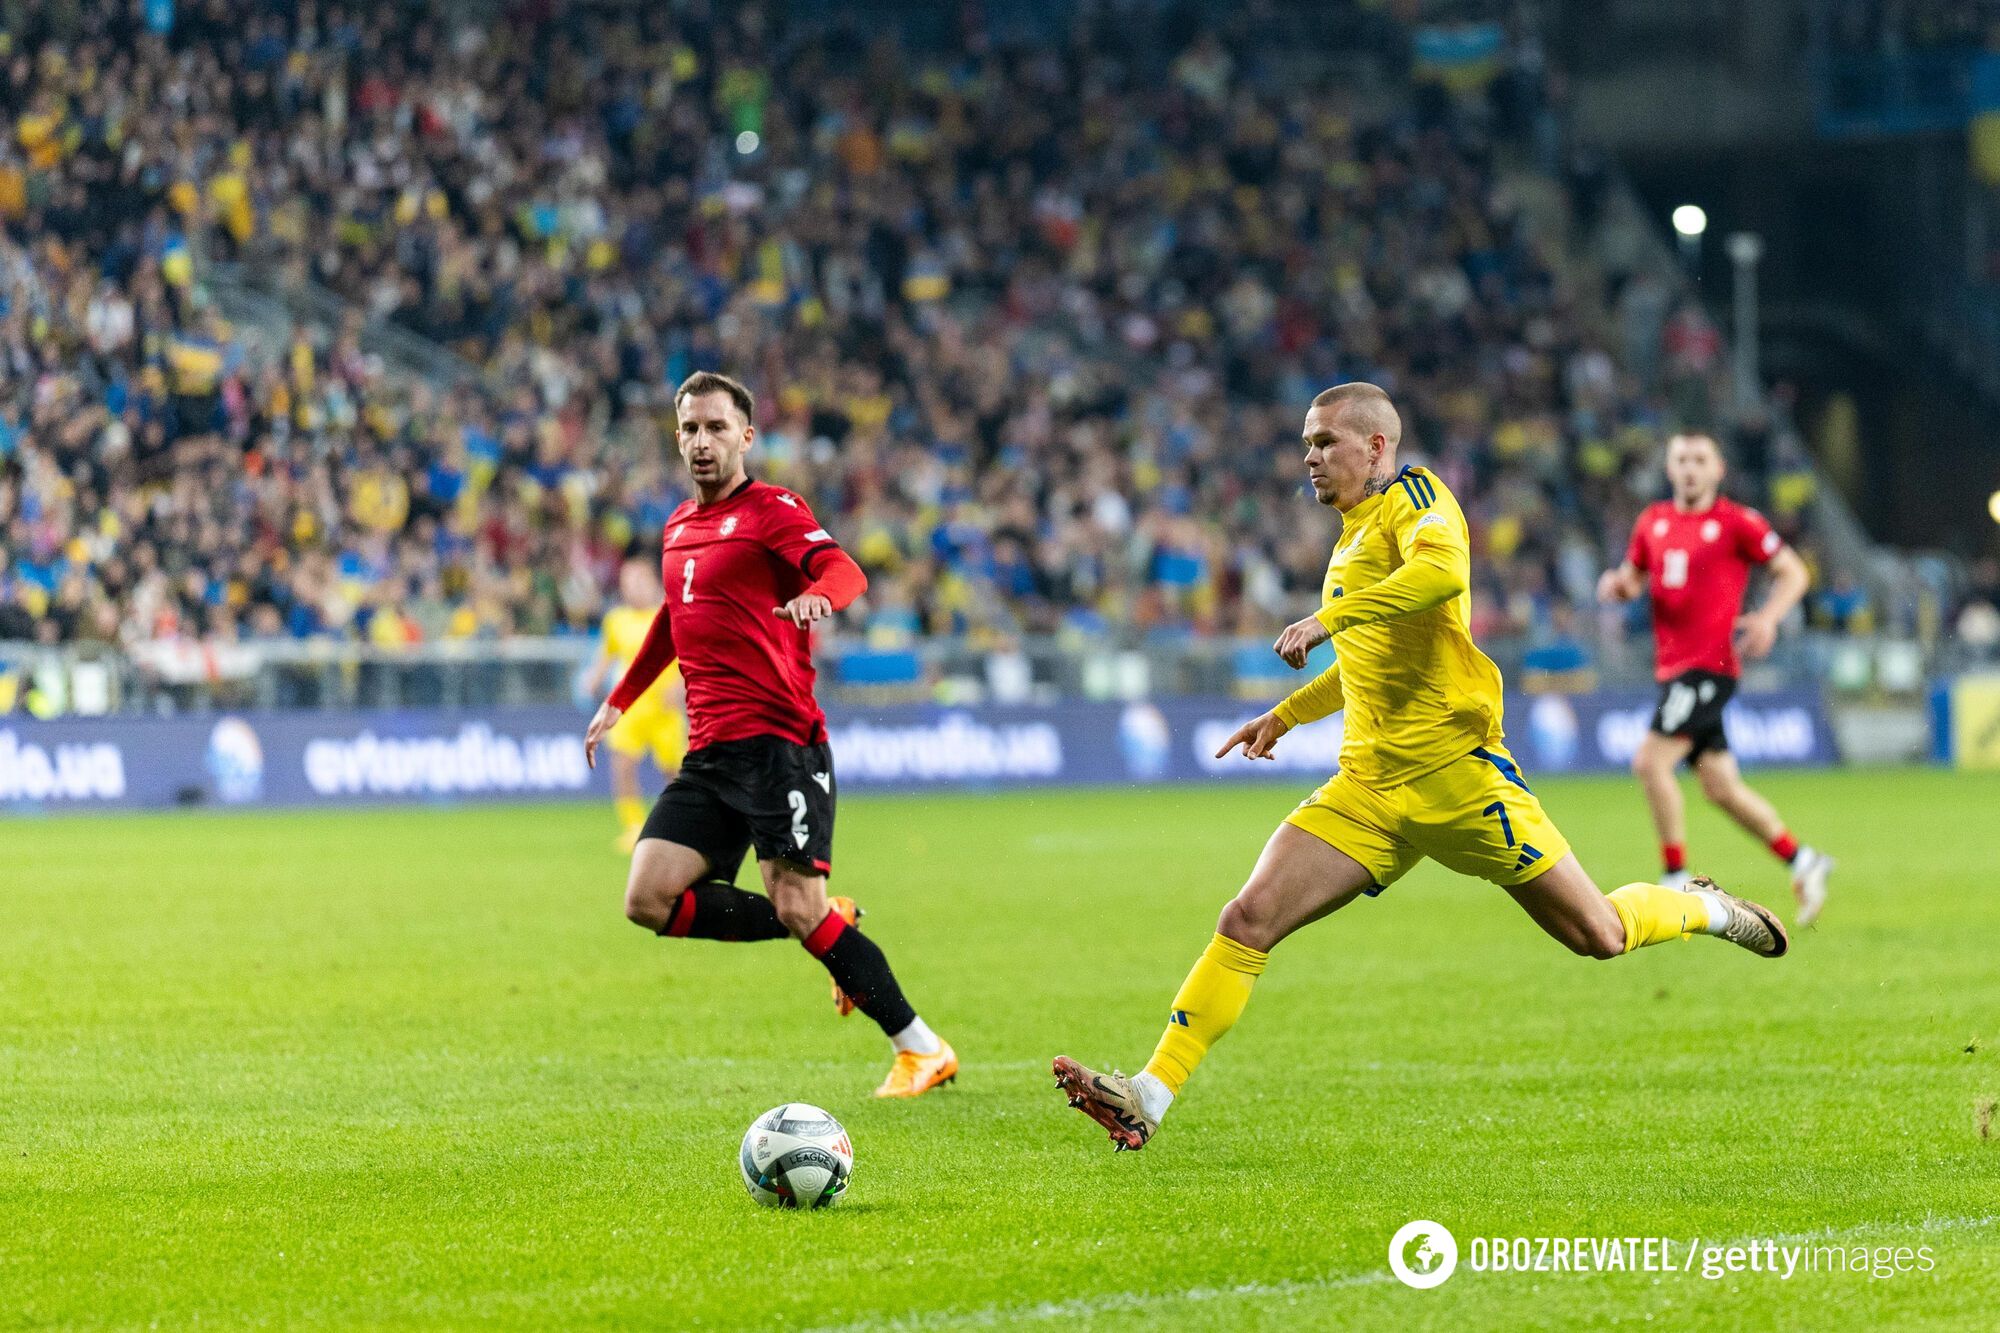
{"points": [[1842, 604], [1979, 616]]}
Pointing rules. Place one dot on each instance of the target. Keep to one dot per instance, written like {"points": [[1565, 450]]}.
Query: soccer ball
{"points": [[796, 1156]]}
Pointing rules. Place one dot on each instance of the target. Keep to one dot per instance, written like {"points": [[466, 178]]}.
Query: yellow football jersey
{"points": [[1417, 690], [624, 629]]}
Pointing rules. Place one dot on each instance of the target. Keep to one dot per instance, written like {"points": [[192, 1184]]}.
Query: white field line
{"points": [[1929, 1224], [1116, 1302], [1120, 1302]]}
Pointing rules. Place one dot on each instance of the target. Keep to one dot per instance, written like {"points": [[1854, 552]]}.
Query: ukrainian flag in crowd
{"points": [[196, 364]]}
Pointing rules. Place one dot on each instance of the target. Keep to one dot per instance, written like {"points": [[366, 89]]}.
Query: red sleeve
{"points": [[1636, 553], [840, 580], [1756, 540], [791, 531], [653, 657]]}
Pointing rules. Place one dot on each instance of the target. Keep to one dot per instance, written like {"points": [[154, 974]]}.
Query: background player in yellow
{"points": [[657, 723], [1422, 768]]}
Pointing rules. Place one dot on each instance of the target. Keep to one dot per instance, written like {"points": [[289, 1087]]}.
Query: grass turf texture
{"points": [[413, 1068]]}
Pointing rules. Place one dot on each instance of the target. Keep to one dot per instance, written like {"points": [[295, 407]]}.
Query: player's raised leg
{"points": [[1653, 763], [1480, 817], [671, 892], [859, 968], [1298, 879], [1564, 902], [1722, 783]]}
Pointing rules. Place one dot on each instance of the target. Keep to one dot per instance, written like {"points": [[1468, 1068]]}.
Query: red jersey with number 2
{"points": [[725, 565], [1697, 567]]}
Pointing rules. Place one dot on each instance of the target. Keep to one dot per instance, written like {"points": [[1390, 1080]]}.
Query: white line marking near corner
{"points": [[1929, 1224], [1115, 1302]]}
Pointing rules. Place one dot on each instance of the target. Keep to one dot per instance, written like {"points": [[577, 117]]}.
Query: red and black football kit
{"points": [[758, 771], [1698, 567]]}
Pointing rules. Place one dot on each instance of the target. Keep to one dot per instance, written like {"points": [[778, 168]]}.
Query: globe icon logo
{"points": [[1422, 1254], [236, 760], [1147, 741], [1552, 722]]}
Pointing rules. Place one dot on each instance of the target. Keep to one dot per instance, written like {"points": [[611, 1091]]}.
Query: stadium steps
{"points": [[265, 303], [1893, 578]]}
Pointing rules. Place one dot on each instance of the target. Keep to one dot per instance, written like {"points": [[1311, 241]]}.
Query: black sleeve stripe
{"points": [[810, 560]]}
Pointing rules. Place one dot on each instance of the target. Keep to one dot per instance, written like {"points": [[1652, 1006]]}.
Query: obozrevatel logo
{"points": [[1422, 1254]]}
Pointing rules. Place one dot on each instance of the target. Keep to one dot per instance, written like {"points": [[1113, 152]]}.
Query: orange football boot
{"points": [[913, 1075]]}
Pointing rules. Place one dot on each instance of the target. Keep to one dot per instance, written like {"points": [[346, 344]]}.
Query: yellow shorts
{"points": [[651, 729], [1475, 815]]}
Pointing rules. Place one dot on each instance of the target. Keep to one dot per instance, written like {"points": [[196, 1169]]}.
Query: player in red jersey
{"points": [[747, 569], [1693, 555]]}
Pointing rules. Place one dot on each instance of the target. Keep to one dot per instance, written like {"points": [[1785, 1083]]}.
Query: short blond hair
{"points": [[1376, 414]]}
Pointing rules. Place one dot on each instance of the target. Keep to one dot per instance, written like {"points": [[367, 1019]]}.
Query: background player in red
{"points": [[747, 569], [1693, 554]]}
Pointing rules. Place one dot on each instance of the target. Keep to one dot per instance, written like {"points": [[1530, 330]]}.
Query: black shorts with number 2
{"points": [[1691, 705], [763, 792]]}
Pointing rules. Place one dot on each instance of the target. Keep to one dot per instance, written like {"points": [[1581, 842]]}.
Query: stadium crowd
{"points": [[1032, 325]]}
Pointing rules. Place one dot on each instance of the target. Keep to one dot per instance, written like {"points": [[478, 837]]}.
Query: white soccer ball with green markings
{"points": [[796, 1156]]}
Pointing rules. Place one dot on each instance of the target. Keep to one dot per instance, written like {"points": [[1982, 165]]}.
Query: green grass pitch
{"points": [[413, 1069]]}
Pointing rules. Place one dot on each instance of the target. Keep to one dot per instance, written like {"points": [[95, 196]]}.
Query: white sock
{"points": [[917, 1037], [1154, 1096], [1718, 912]]}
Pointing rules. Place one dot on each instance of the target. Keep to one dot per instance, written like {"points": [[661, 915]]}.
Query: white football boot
{"points": [[1810, 872]]}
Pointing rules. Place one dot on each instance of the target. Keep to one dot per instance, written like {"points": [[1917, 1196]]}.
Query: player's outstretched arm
{"points": [[1317, 698], [1431, 575], [601, 723], [840, 582], [1621, 584], [1299, 639], [1258, 736], [1437, 567], [804, 609], [1322, 696], [1757, 631]]}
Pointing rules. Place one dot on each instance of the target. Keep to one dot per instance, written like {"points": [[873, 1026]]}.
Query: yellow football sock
{"points": [[1653, 914], [631, 811], [1207, 1005]]}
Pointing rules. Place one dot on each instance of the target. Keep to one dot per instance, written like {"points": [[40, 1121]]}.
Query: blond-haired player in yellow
{"points": [[657, 723], [1422, 768]]}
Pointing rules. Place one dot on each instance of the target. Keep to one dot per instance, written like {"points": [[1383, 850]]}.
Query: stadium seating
{"points": [[1054, 392]]}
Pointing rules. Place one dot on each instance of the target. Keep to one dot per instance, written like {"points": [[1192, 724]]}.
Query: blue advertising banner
{"points": [[1176, 739], [356, 758], [295, 758]]}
